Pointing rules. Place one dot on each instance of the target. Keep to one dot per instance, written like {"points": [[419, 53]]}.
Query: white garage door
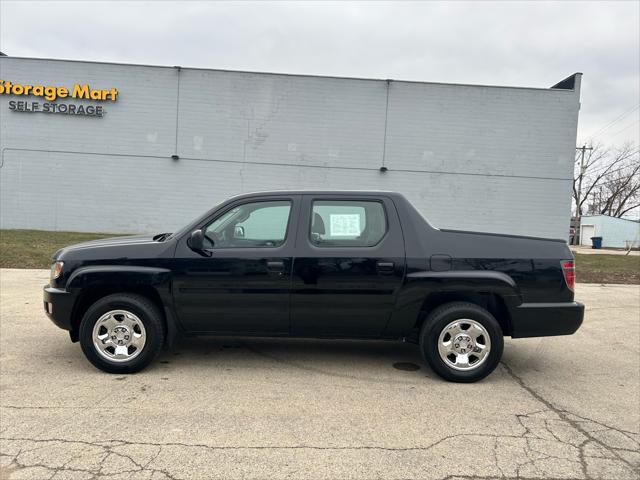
{"points": [[586, 232]]}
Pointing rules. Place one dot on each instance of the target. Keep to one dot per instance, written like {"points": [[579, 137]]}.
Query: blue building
{"points": [[615, 232]]}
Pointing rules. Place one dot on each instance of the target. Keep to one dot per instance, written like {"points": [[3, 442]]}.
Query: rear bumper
{"points": [[546, 319], [58, 305]]}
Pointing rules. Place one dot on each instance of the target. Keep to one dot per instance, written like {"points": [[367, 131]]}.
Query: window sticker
{"points": [[344, 225]]}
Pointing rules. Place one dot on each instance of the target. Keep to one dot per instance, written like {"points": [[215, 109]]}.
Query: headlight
{"points": [[56, 269]]}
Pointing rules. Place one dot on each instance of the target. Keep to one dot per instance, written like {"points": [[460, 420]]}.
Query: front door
{"points": [[348, 268], [241, 283]]}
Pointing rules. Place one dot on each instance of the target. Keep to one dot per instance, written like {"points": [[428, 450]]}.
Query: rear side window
{"points": [[347, 223]]}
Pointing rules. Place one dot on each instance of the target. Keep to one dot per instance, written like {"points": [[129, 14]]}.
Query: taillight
{"points": [[569, 272]]}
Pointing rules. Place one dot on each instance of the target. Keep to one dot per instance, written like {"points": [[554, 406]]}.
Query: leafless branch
{"points": [[609, 180]]}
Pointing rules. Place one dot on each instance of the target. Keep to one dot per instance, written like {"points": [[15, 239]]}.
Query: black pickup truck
{"points": [[314, 264]]}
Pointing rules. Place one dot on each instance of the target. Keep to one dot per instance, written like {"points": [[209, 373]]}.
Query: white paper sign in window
{"points": [[344, 225]]}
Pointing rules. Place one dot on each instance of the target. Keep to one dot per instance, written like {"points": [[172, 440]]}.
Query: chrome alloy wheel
{"points": [[119, 336], [464, 344]]}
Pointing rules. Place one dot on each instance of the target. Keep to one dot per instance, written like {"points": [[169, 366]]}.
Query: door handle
{"points": [[275, 266], [385, 266]]}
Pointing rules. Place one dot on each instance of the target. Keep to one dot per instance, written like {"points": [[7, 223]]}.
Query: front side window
{"points": [[347, 223], [257, 224]]}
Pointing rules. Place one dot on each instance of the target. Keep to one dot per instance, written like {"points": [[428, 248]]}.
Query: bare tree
{"points": [[608, 182]]}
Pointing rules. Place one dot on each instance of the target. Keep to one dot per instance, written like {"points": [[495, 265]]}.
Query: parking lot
{"points": [[562, 407]]}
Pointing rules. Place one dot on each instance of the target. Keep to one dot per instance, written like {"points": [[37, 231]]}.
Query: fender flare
{"points": [[419, 285], [128, 276]]}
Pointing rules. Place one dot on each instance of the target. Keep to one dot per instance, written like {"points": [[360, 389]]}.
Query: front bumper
{"points": [[546, 319], [58, 305]]}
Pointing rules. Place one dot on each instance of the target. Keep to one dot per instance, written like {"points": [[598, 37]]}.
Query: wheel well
{"points": [[92, 295], [489, 301]]}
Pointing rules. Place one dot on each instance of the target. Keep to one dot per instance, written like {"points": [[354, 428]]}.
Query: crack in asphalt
{"points": [[589, 449], [542, 438], [565, 437], [566, 416], [321, 371], [493, 477]]}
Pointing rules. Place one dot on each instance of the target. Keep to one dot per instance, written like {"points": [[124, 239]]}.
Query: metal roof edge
{"points": [[335, 77]]}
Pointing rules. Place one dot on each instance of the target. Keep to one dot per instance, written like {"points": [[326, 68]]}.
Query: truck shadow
{"points": [[338, 358], [368, 360]]}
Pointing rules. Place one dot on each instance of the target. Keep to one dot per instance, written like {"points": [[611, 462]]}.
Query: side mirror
{"points": [[238, 231], [196, 241]]}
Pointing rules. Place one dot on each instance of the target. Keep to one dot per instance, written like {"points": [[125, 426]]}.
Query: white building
{"points": [[152, 147]]}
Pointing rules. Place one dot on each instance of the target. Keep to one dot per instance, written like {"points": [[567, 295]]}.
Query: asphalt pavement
{"points": [[558, 407]]}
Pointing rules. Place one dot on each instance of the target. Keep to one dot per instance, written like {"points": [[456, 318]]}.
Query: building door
{"points": [[586, 232]]}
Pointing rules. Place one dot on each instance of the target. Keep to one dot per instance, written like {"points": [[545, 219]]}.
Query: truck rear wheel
{"points": [[461, 342], [122, 333]]}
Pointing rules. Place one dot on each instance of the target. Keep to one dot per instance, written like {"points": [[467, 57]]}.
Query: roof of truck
{"points": [[318, 192]]}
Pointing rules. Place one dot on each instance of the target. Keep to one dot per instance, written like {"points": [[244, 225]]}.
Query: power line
{"points": [[616, 170], [613, 122], [601, 183], [625, 128], [602, 169]]}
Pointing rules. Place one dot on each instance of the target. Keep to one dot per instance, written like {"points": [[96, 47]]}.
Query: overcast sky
{"points": [[499, 43]]}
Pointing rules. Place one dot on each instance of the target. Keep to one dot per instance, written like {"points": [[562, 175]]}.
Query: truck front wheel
{"points": [[461, 342], [122, 333]]}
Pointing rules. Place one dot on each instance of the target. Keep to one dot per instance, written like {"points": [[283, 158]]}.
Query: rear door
{"points": [[348, 267]]}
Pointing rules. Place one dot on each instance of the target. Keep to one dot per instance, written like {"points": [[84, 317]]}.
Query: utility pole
{"points": [[583, 149]]}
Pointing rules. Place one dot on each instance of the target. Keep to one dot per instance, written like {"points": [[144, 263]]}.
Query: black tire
{"points": [[439, 319], [148, 314]]}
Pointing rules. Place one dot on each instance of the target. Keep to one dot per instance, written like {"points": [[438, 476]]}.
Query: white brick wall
{"points": [[470, 157]]}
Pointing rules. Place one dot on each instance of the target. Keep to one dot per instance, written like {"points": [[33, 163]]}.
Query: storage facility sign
{"points": [[51, 96]]}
